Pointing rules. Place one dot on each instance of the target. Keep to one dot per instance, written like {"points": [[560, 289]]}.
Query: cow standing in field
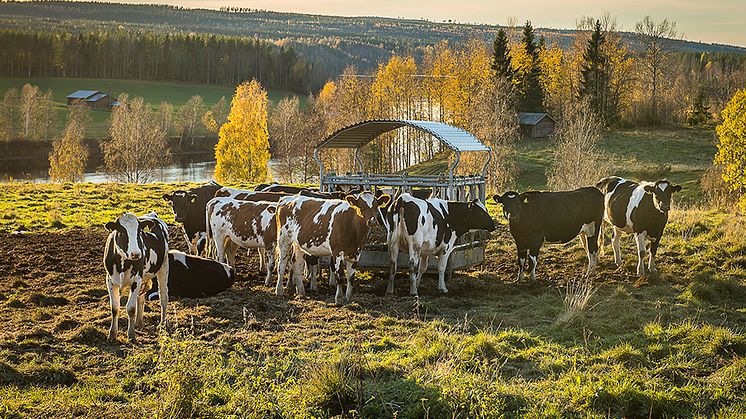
{"points": [[234, 224], [319, 227], [189, 210], [132, 258], [637, 208], [538, 217], [194, 277], [428, 227]]}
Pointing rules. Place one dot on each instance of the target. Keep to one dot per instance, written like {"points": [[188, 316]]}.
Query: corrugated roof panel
{"points": [[96, 97], [82, 94], [357, 135]]}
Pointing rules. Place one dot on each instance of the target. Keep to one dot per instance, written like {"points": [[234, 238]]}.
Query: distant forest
{"points": [[121, 54], [327, 43]]}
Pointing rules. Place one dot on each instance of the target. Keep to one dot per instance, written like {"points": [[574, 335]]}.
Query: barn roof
{"points": [[532, 118], [96, 97], [361, 133], [82, 94]]}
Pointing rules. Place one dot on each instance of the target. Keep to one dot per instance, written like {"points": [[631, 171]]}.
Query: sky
{"points": [[719, 21]]}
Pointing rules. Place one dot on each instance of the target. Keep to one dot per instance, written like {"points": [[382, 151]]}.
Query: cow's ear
{"points": [[111, 226], [147, 224], [649, 188], [193, 198], [524, 199], [271, 209], [351, 199], [168, 197], [384, 200], [675, 188], [498, 198]]}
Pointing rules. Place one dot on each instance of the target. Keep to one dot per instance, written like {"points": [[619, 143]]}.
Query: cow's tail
{"points": [[209, 250], [601, 239]]}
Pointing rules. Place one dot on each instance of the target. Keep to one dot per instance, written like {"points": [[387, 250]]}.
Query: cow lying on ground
{"points": [[638, 208], [234, 224], [132, 258], [194, 277], [287, 189], [189, 210], [429, 227], [538, 217], [318, 227]]}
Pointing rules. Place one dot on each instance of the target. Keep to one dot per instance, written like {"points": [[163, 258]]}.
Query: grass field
{"points": [[153, 92], [670, 345]]}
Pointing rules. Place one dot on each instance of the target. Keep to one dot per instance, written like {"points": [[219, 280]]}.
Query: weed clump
{"points": [[578, 294], [335, 386]]}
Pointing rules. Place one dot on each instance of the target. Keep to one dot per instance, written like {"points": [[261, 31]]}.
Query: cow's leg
{"points": [[533, 260], [422, 267], [522, 256], [393, 256], [350, 273], [114, 303], [415, 262], [651, 258], [297, 273], [219, 243], [442, 264], [270, 265], [616, 244], [339, 268], [162, 277], [283, 258], [592, 253], [262, 256], [313, 265], [140, 308], [231, 249], [332, 273], [640, 238], [132, 307]]}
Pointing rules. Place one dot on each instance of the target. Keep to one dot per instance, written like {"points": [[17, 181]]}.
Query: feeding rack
{"points": [[469, 250]]}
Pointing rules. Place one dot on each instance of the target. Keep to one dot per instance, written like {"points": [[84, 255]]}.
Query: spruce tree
{"points": [[501, 64], [532, 94], [594, 82]]}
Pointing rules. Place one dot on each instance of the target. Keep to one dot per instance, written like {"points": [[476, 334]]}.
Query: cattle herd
{"points": [[299, 227]]}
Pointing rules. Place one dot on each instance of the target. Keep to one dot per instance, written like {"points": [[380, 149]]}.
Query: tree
{"points": [[501, 65], [731, 153], [286, 135], [69, 154], [577, 159], [594, 72], [242, 152], [529, 85], [9, 115], [37, 116], [139, 142], [187, 118], [216, 116], [654, 38]]}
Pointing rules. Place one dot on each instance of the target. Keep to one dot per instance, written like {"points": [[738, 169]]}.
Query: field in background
{"points": [[154, 92]]}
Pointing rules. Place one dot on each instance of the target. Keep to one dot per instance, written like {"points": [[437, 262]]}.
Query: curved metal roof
{"points": [[360, 134]]}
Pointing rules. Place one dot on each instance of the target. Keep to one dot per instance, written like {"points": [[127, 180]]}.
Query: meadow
{"points": [[666, 345], [154, 92]]}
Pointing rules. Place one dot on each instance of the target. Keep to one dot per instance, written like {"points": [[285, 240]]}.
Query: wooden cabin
{"points": [[92, 98], [536, 124]]}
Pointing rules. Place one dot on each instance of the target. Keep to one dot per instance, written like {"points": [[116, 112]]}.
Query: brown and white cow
{"points": [[132, 258], [234, 224], [324, 227]]}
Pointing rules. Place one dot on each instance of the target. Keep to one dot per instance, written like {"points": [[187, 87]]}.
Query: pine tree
{"points": [[242, 152], [532, 94], [594, 82], [501, 65]]}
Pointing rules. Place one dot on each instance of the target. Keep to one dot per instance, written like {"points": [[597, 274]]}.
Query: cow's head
{"points": [[478, 218], [367, 205], [180, 202], [662, 191], [127, 236], [512, 202]]}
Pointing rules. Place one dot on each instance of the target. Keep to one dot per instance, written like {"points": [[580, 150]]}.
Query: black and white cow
{"points": [[194, 277], [429, 227], [637, 208], [132, 258], [538, 217], [189, 210]]}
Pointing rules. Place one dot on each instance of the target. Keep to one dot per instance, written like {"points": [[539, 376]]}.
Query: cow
{"points": [[637, 208], [132, 258], [194, 277], [276, 187], [233, 224], [319, 227], [538, 217], [428, 227], [189, 210]]}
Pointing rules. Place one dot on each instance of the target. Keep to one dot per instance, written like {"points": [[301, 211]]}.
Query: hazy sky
{"points": [[721, 21]]}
